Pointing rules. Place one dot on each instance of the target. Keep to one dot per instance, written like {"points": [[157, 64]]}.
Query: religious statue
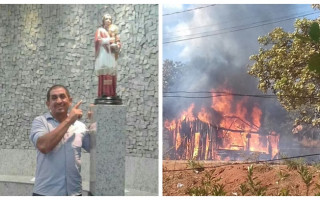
{"points": [[107, 48]]}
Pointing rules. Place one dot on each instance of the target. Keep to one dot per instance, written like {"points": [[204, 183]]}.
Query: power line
{"points": [[207, 92], [243, 26], [188, 10], [252, 162], [221, 94], [210, 25], [240, 29]]}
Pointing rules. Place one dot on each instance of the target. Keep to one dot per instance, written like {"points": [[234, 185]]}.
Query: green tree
{"points": [[172, 72], [283, 66]]}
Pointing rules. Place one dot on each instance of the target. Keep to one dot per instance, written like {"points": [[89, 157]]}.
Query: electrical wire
{"points": [[234, 27], [199, 27], [221, 94], [236, 30], [252, 162], [178, 12]]}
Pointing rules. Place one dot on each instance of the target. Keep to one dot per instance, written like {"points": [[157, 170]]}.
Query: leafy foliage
{"points": [[316, 165], [282, 66], [209, 186], [172, 71], [318, 187], [218, 190], [197, 191], [293, 164], [243, 189], [314, 32], [255, 187], [316, 6], [306, 176], [195, 165], [282, 176], [284, 192], [314, 62]]}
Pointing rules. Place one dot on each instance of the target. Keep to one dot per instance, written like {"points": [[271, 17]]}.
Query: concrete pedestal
{"points": [[108, 149]]}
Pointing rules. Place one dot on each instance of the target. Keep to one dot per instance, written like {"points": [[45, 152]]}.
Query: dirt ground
{"points": [[178, 179]]}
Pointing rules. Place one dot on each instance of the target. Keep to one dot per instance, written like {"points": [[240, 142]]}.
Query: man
{"points": [[107, 47], [58, 138]]}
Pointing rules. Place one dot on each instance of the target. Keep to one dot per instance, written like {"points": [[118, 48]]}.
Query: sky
{"points": [[223, 22], [215, 43]]}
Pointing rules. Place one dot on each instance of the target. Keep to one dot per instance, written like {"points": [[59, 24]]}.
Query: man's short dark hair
{"points": [[57, 86]]}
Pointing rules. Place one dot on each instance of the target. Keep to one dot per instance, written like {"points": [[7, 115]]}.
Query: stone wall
{"points": [[42, 45]]}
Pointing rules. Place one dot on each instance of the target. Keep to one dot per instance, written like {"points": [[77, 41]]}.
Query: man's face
{"points": [[59, 102]]}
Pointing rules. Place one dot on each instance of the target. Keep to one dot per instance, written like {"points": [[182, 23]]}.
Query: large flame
{"points": [[237, 129], [207, 147], [170, 125], [256, 116], [188, 115], [204, 116], [196, 145], [178, 141], [235, 118]]}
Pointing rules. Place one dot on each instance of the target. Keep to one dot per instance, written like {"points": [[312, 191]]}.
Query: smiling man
{"points": [[58, 137]]}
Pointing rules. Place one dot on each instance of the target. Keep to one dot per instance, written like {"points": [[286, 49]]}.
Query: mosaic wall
{"points": [[42, 45]]}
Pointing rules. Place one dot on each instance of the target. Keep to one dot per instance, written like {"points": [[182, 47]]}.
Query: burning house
{"points": [[225, 131]]}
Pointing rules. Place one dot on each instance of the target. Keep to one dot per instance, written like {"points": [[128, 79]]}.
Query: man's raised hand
{"points": [[76, 112]]}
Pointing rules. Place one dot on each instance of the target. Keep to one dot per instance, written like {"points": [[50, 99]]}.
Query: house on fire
{"points": [[195, 139]]}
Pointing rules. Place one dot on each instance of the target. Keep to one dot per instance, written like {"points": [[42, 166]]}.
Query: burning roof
{"points": [[216, 133]]}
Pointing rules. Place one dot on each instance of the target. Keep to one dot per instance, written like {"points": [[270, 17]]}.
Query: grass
{"points": [[282, 177], [250, 156], [209, 186], [306, 176], [255, 187], [197, 191], [195, 165], [284, 192], [292, 164], [243, 189], [318, 187], [218, 190]]}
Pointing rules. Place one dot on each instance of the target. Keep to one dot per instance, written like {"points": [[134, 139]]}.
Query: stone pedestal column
{"points": [[108, 149]]}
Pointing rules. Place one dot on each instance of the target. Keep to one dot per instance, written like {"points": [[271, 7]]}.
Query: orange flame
{"points": [[188, 115], [207, 147], [204, 116], [170, 125], [256, 116], [188, 156], [238, 130], [256, 144], [274, 141], [221, 103], [196, 145], [178, 141]]}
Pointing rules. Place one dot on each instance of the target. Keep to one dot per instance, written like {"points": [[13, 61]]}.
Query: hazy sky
{"points": [[216, 41], [229, 24], [226, 35]]}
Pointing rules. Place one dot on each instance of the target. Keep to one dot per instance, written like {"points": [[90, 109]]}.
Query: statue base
{"points": [[116, 100], [107, 150]]}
